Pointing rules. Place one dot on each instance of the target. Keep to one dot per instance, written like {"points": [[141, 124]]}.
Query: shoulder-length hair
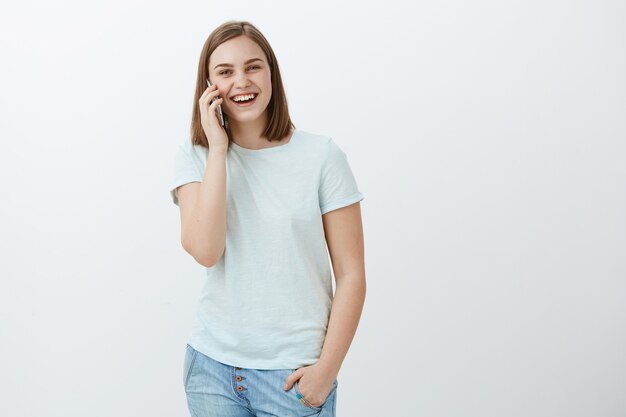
{"points": [[279, 122]]}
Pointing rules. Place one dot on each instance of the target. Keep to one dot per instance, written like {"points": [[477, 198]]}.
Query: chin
{"points": [[244, 119]]}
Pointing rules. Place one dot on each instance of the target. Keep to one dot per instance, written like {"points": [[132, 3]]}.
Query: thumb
{"points": [[291, 379]]}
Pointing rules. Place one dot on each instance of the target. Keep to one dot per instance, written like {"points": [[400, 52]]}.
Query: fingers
{"points": [[209, 94], [215, 103], [291, 379], [209, 100]]}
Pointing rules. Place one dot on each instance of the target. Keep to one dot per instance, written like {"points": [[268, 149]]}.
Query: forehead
{"points": [[236, 51]]}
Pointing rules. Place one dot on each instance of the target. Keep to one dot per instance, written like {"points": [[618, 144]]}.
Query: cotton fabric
{"points": [[266, 303]]}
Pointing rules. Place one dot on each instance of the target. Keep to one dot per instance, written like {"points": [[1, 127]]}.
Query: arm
{"points": [[344, 236], [203, 212]]}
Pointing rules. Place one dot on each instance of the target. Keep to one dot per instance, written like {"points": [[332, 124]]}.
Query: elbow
{"points": [[204, 257], [206, 262]]}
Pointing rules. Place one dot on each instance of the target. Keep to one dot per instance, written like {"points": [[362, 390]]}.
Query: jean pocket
{"points": [[306, 403], [303, 400], [190, 358]]}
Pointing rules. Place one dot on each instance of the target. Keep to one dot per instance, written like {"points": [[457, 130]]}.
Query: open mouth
{"points": [[244, 103]]}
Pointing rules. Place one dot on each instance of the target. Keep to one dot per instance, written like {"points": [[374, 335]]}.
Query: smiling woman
{"points": [[262, 204], [238, 60]]}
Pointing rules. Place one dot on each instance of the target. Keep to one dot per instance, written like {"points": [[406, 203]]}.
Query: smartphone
{"points": [[219, 106]]}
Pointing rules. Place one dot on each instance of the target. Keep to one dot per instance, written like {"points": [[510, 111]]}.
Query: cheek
{"points": [[266, 81]]}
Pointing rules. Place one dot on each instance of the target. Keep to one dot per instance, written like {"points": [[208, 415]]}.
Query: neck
{"points": [[248, 134]]}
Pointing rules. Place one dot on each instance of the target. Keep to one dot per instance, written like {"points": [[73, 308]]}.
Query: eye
{"points": [[225, 71]]}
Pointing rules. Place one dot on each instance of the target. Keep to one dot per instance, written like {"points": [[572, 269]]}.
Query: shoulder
{"points": [[317, 144], [187, 148]]}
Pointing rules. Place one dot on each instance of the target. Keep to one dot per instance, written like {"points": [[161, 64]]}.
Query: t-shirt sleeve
{"points": [[338, 187], [185, 170]]}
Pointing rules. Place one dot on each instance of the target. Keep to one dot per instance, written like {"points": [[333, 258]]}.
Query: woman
{"points": [[260, 203]]}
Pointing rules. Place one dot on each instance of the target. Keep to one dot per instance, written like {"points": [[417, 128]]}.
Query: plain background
{"points": [[488, 138]]}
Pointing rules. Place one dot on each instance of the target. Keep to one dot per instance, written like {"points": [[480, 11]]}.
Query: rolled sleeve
{"points": [[338, 187]]}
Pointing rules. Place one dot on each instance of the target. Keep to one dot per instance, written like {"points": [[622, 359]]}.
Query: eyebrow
{"points": [[230, 65]]}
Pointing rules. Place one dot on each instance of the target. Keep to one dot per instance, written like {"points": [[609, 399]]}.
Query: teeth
{"points": [[245, 97]]}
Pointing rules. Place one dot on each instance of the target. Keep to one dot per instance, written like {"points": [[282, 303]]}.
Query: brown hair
{"points": [[279, 122]]}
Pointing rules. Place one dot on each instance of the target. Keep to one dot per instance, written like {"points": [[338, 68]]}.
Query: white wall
{"points": [[487, 137]]}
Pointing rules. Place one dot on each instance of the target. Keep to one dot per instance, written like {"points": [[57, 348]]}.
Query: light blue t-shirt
{"points": [[266, 303]]}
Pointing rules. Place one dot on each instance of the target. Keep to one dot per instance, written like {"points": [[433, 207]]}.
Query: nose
{"points": [[241, 80]]}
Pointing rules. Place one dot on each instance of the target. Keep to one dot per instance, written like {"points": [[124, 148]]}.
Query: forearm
{"points": [[206, 234], [344, 318]]}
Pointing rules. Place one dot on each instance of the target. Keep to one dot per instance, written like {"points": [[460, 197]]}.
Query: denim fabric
{"points": [[216, 389]]}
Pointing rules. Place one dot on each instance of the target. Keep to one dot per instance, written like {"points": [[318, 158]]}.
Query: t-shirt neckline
{"points": [[241, 149]]}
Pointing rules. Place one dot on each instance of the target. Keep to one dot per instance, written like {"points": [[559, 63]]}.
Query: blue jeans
{"points": [[216, 389]]}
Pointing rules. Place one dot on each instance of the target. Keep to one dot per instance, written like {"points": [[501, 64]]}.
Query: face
{"points": [[240, 73]]}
